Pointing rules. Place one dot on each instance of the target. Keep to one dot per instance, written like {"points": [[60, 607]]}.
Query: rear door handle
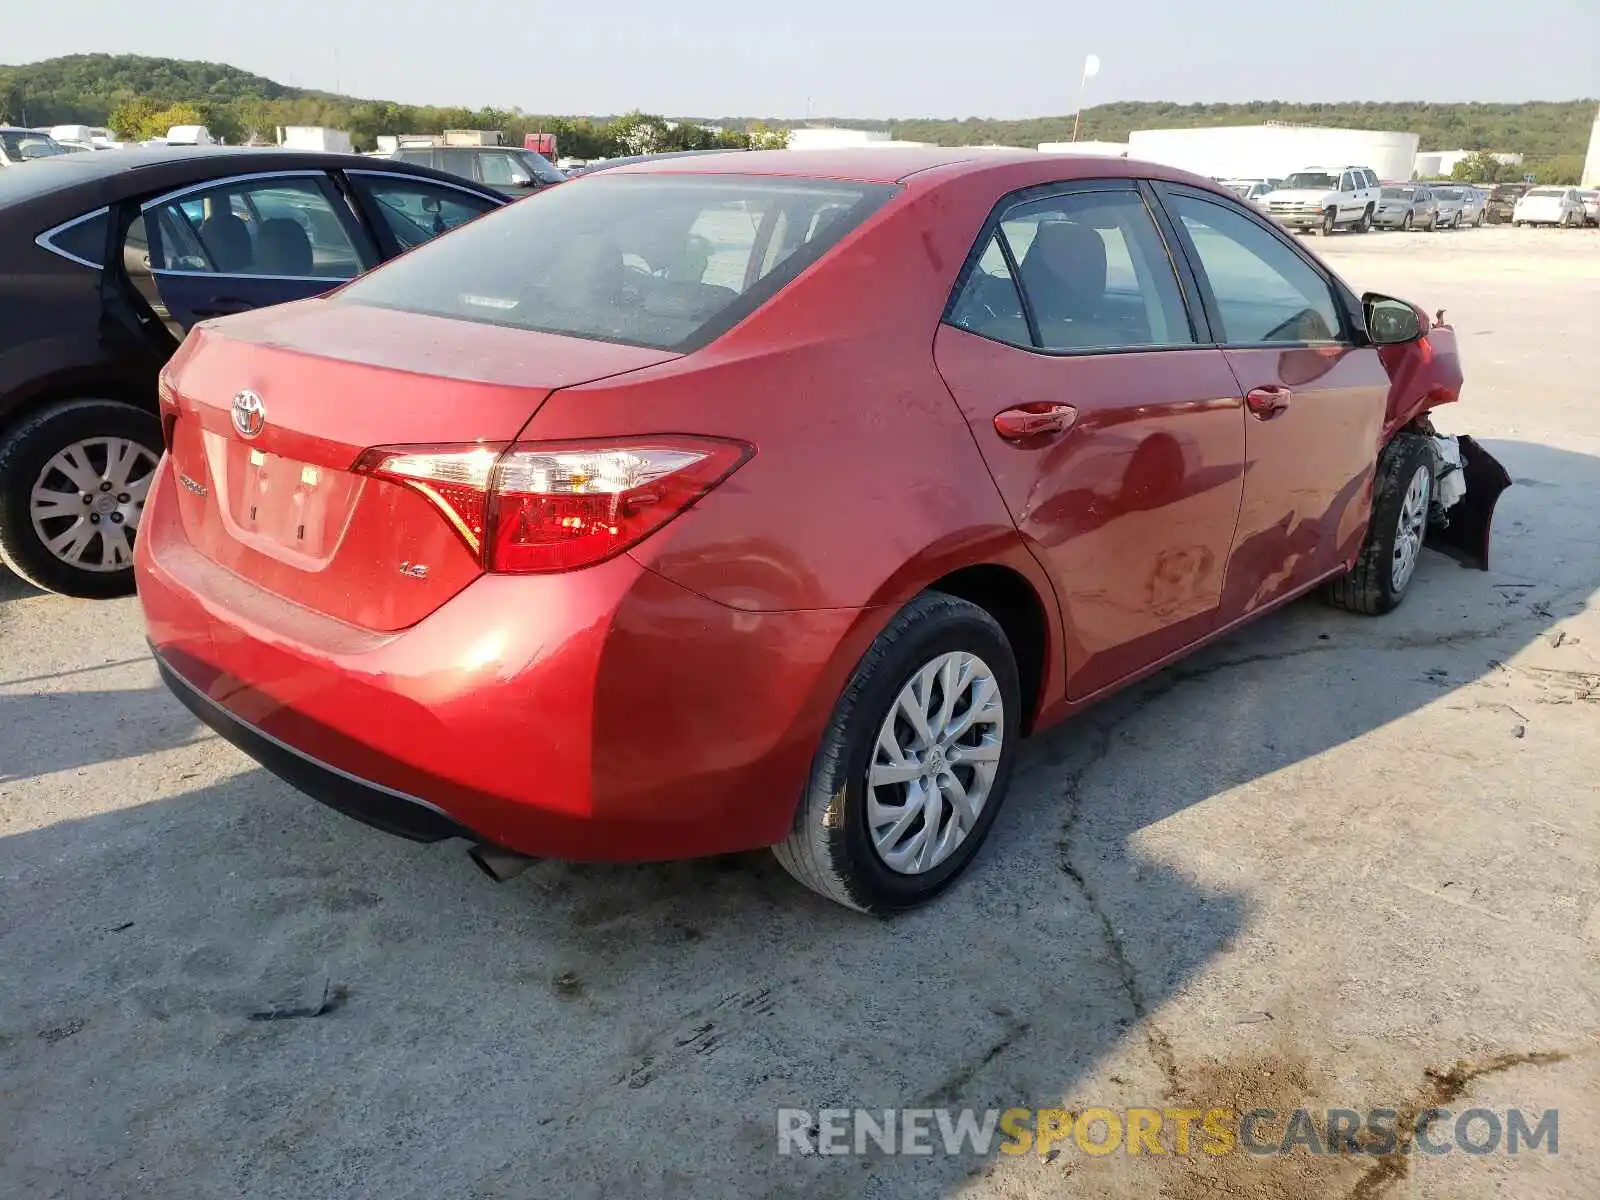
{"points": [[1267, 402], [1026, 421], [222, 306]]}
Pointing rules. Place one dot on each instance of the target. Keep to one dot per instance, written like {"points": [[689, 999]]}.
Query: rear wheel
{"points": [[73, 479], [915, 761], [1403, 494], [1365, 224]]}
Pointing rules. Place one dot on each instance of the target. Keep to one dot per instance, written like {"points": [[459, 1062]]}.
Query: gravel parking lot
{"points": [[1334, 861]]}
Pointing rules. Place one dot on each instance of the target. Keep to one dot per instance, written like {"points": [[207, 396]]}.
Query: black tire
{"points": [[830, 847], [1330, 222], [1405, 221], [24, 453], [1365, 224], [1369, 587]]}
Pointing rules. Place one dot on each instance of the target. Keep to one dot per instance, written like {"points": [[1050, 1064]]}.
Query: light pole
{"points": [[1091, 68]]}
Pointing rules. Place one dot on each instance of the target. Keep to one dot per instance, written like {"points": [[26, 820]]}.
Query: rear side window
{"points": [[416, 211], [83, 241], [269, 226], [989, 304], [665, 261], [457, 162], [1094, 275]]}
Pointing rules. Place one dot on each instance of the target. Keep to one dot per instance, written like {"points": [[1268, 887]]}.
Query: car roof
{"points": [[610, 164], [109, 176], [869, 164]]}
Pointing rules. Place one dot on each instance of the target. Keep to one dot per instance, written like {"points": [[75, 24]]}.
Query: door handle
{"points": [[1267, 402], [222, 306], [1033, 420]]}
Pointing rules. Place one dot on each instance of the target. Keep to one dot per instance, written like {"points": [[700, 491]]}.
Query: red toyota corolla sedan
{"points": [[767, 500]]}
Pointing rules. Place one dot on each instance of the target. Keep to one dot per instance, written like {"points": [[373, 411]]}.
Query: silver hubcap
{"points": [[87, 501], [1413, 522], [934, 763]]}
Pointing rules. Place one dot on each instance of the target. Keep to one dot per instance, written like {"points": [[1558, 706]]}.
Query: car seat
{"points": [[283, 248], [226, 239]]}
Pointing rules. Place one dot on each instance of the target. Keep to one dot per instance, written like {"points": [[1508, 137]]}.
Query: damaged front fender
{"points": [[1463, 532]]}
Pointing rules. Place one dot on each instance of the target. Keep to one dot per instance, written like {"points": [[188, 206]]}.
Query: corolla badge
{"points": [[249, 413]]}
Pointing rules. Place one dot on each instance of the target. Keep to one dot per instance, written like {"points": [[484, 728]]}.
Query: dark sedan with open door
{"points": [[107, 261]]}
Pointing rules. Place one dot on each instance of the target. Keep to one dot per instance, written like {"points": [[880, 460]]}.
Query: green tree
{"points": [[1483, 167], [129, 117], [156, 124], [640, 133], [760, 137]]}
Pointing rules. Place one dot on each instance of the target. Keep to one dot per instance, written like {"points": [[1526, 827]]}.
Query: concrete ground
{"points": [[1334, 861]]}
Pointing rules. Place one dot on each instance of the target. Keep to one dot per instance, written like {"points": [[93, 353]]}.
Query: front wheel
{"points": [[1402, 496], [1405, 223], [914, 763], [73, 479], [1330, 222]]}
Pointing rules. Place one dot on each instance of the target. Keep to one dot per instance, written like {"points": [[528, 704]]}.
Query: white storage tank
{"points": [[1110, 149], [830, 138], [1273, 151]]}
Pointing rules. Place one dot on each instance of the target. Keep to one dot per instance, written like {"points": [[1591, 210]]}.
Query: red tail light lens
{"points": [[557, 506]]}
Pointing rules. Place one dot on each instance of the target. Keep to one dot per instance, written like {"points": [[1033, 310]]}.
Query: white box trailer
{"points": [[315, 137]]}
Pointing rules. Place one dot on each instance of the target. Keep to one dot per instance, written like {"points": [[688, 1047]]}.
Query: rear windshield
{"points": [[543, 169], [1399, 193], [1547, 192], [21, 145], [1447, 193], [665, 261]]}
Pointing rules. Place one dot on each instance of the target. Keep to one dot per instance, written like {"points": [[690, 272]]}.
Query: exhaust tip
{"points": [[497, 863]]}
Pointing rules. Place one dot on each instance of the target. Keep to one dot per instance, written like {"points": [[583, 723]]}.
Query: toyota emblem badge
{"points": [[249, 414]]}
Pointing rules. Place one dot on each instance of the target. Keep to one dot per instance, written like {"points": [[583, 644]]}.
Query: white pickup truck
{"points": [[1325, 199]]}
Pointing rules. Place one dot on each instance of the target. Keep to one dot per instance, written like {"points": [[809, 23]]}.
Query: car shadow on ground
{"points": [[236, 991], [14, 587], [67, 730]]}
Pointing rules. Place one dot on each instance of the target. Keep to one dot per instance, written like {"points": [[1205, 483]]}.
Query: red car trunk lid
{"points": [[282, 508]]}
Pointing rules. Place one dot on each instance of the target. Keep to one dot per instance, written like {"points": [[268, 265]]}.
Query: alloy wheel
{"points": [[1413, 524], [86, 503], [933, 766]]}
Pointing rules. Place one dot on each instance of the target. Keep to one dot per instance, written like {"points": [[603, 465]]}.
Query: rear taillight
{"points": [[555, 506], [167, 406]]}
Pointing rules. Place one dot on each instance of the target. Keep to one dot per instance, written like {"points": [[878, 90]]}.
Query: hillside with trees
{"points": [[135, 94]]}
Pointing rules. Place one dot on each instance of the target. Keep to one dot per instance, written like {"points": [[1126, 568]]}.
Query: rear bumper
{"points": [[604, 714], [382, 808]]}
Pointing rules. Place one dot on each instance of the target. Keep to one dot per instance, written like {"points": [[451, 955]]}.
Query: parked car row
{"points": [[1429, 206]]}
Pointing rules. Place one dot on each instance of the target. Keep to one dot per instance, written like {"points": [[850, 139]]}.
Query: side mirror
{"points": [[430, 204], [1390, 322], [518, 179]]}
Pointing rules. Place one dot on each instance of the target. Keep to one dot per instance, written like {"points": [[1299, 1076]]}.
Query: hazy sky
{"points": [[854, 58]]}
